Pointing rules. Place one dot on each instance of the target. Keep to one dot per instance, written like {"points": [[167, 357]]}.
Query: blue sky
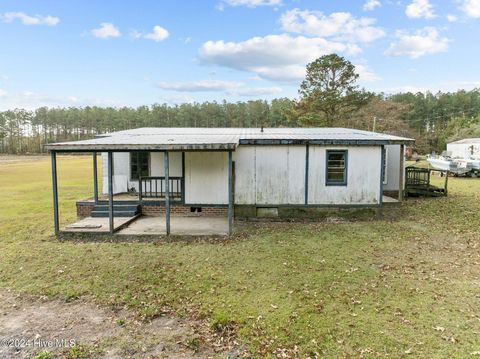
{"points": [[131, 53]]}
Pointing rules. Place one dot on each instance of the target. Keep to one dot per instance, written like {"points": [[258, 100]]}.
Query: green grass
{"points": [[371, 288]]}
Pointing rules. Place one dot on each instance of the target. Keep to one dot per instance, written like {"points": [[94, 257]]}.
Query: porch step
{"points": [[119, 210]]}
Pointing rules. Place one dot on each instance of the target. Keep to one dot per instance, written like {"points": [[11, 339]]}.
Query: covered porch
{"points": [[162, 198]]}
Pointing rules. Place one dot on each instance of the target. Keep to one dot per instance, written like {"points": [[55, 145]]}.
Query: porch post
{"points": [[307, 155], [95, 178], [110, 191], [401, 177], [167, 191], [230, 193], [382, 173], [55, 192]]}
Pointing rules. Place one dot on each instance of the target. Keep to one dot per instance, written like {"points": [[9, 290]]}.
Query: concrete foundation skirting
{"points": [[250, 211]]}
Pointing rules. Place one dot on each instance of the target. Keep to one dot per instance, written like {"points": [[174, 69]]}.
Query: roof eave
{"points": [[140, 147], [326, 142]]}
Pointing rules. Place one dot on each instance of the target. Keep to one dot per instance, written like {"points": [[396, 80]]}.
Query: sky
{"points": [[133, 53]]}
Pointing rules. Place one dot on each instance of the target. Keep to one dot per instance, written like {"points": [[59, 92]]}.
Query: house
{"points": [[466, 148], [243, 172]]}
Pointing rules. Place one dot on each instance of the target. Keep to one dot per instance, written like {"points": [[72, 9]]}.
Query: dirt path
{"points": [[97, 332]]}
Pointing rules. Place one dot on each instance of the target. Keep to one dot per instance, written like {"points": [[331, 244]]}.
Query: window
{"points": [[336, 168], [139, 165]]}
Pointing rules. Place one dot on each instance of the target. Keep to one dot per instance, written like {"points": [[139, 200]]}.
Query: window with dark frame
{"points": [[139, 165], [336, 173]]}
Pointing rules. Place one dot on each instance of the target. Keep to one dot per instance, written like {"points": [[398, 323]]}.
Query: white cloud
{"points": [[250, 3], [420, 9], [255, 91], [158, 34], [30, 100], [30, 20], [424, 42], [200, 86], [231, 88], [106, 30], [371, 5], [452, 18], [275, 57], [3, 93], [339, 25], [366, 74], [471, 8]]}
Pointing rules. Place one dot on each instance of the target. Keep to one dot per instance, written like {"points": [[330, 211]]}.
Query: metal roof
{"points": [[195, 138], [467, 141]]}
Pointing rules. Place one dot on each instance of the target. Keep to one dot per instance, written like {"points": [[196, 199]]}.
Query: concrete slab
{"points": [[386, 199], [91, 224], [182, 226]]}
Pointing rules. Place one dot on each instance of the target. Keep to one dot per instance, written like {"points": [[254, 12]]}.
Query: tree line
{"points": [[329, 96]]}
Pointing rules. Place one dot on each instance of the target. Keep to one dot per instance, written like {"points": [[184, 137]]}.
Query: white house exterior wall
{"points": [[363, 177], [269, 175], [206, 178], [121, 169], [393, 165]]}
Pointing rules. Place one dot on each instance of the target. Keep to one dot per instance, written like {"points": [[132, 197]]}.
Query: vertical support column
{"points": [[55, 192], [110, 192], [183, 177], [382, 173], [401, 178], [95, 178], [230, 193], [307, 160], [166, 162]]}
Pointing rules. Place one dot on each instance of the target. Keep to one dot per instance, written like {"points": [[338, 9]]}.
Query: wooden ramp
{"points": [[418, 183]]}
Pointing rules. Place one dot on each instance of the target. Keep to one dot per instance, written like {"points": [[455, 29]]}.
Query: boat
{"points": [[446, 163]]}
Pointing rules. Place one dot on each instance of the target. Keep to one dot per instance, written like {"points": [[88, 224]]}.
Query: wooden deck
{"points": [[418, 183]]}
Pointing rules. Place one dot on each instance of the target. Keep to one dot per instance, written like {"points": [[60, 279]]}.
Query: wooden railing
{"points": [[154, 187]]}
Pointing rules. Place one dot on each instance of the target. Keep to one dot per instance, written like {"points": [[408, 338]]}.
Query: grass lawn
{"points": [[407, 287]]}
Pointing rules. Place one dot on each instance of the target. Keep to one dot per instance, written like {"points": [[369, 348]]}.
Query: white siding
{"points": [[121, 172], [393, 168], [245, 186], [206, 178], [157, 167], [464, 149], [121, 169], [363, 177], [270, 175]]}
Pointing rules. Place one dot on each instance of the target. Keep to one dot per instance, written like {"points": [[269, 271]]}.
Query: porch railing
{"points": [[154, 187]]}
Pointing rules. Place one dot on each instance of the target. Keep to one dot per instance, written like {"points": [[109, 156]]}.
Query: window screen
{"points": [[336, 168], [139, 165]]}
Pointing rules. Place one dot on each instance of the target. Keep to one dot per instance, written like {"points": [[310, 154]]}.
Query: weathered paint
{"points": [[280, 174], [363, 176], [206, 178], [391, 182], [270, 175]]}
